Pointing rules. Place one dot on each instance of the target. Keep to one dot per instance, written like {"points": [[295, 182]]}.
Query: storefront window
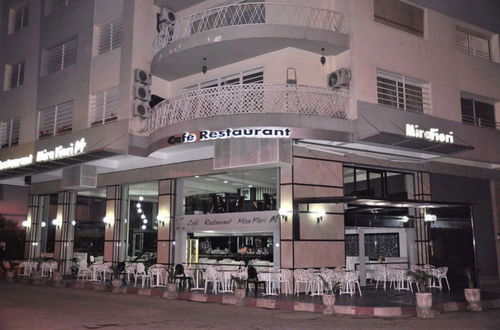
{"points": [[89, 227], [48, 230], [246, 191], [142, 222]]}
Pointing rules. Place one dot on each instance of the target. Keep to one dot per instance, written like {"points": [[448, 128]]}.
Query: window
{"points": [[403, 92], [399, 15], [473, 44], [104, 106], [9, 132], [51, 5], [18, 18], [61, 56], [110, 37], [14, 75], [376, 245], [55, 120], [478, 113], [253, 76]]}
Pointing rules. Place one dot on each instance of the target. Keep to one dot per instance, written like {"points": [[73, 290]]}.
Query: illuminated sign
{"points": [[44, 155], [431, 134], [206, 135]]}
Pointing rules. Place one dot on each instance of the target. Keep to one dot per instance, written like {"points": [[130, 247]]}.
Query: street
{"points": [[40, 307]]}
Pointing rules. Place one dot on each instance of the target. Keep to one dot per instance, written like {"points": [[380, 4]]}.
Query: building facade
{"points": [[294, 134]]}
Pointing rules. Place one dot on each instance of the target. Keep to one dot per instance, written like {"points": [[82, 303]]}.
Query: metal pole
{"points": [[476, 270]]}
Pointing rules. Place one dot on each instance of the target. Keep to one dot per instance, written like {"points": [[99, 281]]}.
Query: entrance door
{"points": [[137, 244]]}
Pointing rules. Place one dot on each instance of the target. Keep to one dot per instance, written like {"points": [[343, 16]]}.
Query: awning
{"points": [[354, 200]]}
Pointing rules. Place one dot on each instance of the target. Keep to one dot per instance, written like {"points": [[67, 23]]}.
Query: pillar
{"points": [[166, 222], [32, 241], [422, 193], [65, 230]]}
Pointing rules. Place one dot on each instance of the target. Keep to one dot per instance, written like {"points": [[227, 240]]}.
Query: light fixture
{"points": [[107, 220], [138, 205], [197, 176], [430, 217], [25, 223], [145, 221], [73, 222], [43, 224], [139, 211], [143, 216], [173, 242], [161, 219], [225, 181], [56, 222], [320, 214], [143, 227], [405, 218], [204, 67], [250, 186], [277, 245], [284, 213], [323, 58], [141, 198]]}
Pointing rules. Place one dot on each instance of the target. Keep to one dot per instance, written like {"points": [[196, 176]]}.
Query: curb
{"points": [[275, 304]]}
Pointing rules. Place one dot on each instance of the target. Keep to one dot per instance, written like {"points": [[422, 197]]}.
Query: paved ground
{"points": [[32, 307]]}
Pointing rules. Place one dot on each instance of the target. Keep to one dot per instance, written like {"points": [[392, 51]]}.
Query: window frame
{"points": [[52, 5], [398, 26], [11, 140], [222, 80], [23, 11], [105, 104], [63, 54], [115, 36], [472, 51], [475, 120], [20, 69], [56, 131]]}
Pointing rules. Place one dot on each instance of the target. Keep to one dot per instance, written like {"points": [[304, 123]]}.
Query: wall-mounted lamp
{"points": [[161, 219], [284, 213], [405, 218], [25, 223], [204, 67], [56, 222], [323, 58], [73, 223], [430, 217], [43, 224], [320, 214], [107, 220]]}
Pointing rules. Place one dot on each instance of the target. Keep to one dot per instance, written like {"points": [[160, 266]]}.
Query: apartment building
{"points": [[294, 134]]}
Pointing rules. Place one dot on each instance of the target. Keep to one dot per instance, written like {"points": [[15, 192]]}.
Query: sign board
{"points": [[245, 221], [252, 132], [431, 134]]}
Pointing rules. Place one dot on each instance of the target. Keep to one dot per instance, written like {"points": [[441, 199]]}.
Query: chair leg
{"points": [[447, 283]]}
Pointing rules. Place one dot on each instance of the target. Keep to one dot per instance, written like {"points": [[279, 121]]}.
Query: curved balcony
{"points": [[244, 30], [250, 99]]}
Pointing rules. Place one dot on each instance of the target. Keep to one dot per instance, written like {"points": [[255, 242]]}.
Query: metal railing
{"points": [[247, 99], [248, 14], [480, 122]]}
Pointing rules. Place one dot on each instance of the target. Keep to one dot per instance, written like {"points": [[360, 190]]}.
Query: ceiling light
{"points": [[138, 205], [141, 198], [143, 227]]}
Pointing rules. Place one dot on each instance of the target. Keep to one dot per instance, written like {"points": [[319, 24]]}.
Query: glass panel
{"points": [[467, 111], [377, 245], [485, 114], [375, 184], [362, 183]]}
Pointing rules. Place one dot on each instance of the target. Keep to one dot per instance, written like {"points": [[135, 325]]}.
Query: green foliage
{"points": [[118, 269], [469, 273], [240, 282], [421, 277]]}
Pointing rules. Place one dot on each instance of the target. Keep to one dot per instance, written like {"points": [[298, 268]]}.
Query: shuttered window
{"points": [[55, 120], [104, 106], [399, 15], [403, 92], [253, 76], [18, 18], [52, 5], [61, 56], [9, 132], [110, 37], [14, 75]]}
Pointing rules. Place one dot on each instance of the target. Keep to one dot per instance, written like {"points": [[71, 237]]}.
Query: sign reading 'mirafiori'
{"points": [[59, 152], [431, 134], [253, 132]]}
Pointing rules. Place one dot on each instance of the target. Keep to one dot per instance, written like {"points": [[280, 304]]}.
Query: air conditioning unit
{"points": [[142, 92], [142, 109], [142, 77], [167, 16], [79, 177], [339, 78]]}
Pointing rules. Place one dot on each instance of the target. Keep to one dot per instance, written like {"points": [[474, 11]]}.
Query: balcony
{"points": [[250, 99], [237, 32]]}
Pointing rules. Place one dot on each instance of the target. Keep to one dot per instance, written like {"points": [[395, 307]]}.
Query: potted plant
{"points": [[10, 273], [240, 291], [171, 285], [329, 296], [117, 281], [472, 294], [57, 278], [424, 298]]}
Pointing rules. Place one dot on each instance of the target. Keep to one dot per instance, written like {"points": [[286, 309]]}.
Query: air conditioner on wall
{"points": [[141, 109], [167, 16], [339, 78], [142, 92], [142, 76], [79, 177]]}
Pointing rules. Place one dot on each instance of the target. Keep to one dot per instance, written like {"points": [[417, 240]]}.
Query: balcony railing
{"points": [[250, 99], [480, 122], [248, 14]]}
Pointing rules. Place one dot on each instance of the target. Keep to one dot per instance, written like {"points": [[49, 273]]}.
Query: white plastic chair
{"points": [[83, 271], [302, 276], [212, 275], [140, 273], [283, 278], [441, 274], [130, 270]]}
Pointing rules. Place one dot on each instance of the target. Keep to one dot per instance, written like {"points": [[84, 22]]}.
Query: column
{"points": [[33, 229], [65, 230], [166, 222], [287, 219], [115, 232], [423, 193]]}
